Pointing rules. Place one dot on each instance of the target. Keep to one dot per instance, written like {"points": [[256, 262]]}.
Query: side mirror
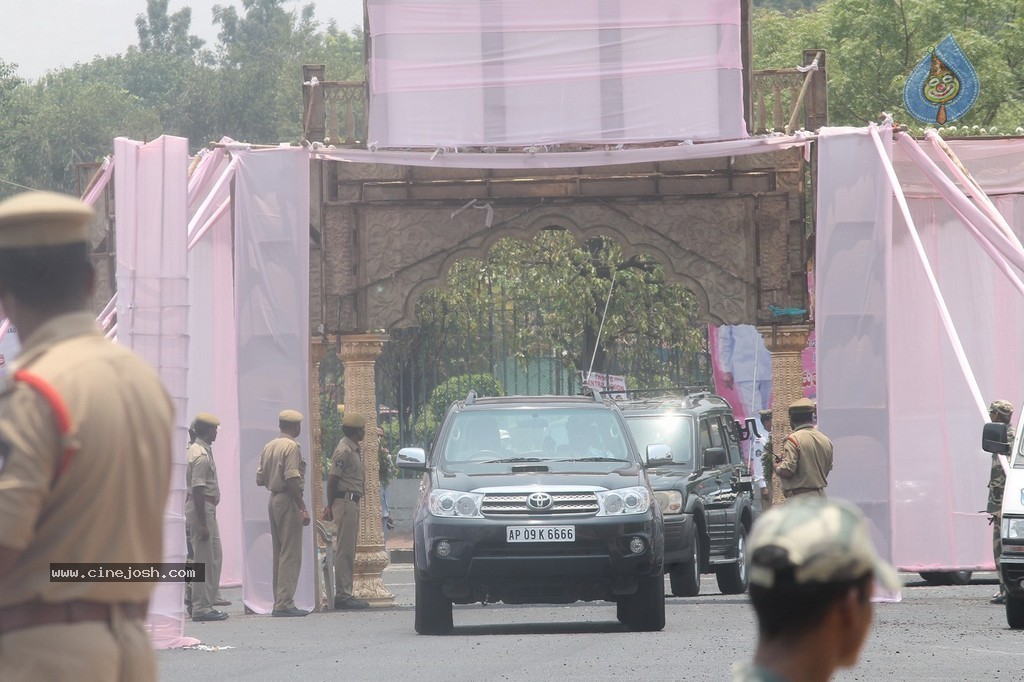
{"points": [[412, 458], [993, 438], [658, 454], [715, 457], [746, 431]]}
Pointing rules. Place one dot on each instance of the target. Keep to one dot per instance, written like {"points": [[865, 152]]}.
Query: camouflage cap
{"points": [[1003, 407], [820, 540]]}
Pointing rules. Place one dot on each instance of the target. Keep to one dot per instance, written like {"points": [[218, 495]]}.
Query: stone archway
{"points": [[731, 230]]}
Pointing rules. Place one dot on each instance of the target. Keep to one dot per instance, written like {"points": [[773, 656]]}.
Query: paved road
{"points": [[935, 633]]}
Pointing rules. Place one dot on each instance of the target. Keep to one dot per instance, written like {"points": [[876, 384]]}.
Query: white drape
{"points": [[152, 310], [272, 317], [511, 72], [212, 384], [902, 392]]}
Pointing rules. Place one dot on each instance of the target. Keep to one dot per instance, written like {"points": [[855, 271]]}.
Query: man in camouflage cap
{"points": [[999, 411], [812, 568]]}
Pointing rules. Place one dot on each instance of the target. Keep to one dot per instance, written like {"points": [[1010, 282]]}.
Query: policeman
{"points": [[806, 457], [201, 516], [282, 471], [85, 460], [999, 411], [344, 490]]}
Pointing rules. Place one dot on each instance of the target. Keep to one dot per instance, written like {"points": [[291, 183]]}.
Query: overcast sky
{"points": [[40, 35]]}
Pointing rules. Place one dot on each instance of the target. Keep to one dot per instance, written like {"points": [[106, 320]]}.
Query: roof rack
{"points": [[592, 392], [669, 392], [471, 397]]}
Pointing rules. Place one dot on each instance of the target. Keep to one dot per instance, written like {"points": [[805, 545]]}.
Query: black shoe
{"points": [[289, 613], [998, 599], [222, 602], [349, 603], [212, 615]]}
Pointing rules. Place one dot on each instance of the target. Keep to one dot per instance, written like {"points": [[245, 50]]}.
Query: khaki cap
{"points": [[290, 416], [353, 420], [801, 406], [207, 418], [33, 219], [816, 541], [1003, 407]]}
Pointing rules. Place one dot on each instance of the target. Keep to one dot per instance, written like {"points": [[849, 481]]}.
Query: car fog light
{"points": [[443, 548], [637, 545], [1022, 584]]}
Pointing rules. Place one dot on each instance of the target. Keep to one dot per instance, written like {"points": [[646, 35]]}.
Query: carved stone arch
{"points": [[733, 234]]}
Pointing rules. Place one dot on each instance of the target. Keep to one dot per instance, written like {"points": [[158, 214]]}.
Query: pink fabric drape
{"points": [[212, 364], [514, 72], [152, 310], [272, 318], [918, 327]]}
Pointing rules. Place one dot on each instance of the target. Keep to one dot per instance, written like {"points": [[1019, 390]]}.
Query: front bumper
{"points": [[1011, 569], [483, 566]]}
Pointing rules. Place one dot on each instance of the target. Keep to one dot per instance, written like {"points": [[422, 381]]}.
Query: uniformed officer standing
{"points": [[282, 471], [201, 516], [1000, 411], [806, 457], [344, 490], [85, 460]]}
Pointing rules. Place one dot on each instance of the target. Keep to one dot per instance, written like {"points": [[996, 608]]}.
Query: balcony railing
{"points": [[782, 100]]}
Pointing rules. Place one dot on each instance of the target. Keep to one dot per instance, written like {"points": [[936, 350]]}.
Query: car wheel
{"points": [[646, 609], [685, 578], [1015, 612], [947, 577], [433, 609], [732, 578]]}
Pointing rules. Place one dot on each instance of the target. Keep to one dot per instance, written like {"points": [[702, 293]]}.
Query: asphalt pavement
{"points": [[934, 633]]}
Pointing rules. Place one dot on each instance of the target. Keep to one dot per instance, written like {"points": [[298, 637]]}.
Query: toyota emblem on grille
{"points": [[539, 501]]}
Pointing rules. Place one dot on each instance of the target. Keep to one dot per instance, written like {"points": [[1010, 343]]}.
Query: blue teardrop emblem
{"points": [[943, 86]]}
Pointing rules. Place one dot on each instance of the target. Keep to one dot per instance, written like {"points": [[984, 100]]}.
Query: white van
{"points": [[1011, 558]]}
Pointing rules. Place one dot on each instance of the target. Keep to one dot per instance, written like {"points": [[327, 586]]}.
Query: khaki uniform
{"points": [[996, 486], [106, 507], [282, 461], [806, 461], [347, 465], [202, 472]]}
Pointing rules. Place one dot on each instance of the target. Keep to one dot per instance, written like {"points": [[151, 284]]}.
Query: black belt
{"points": [[36, 613], [798, 491], [355, 497]]}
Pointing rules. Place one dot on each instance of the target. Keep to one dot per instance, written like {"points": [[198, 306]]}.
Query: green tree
{"points": [[167, 34], [873, 45]]}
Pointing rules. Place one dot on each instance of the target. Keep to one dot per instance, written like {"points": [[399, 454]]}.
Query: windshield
{"points": [[674, 430], [504, 436]]}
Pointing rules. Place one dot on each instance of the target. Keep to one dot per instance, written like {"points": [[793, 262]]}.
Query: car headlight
{"points": [[1012, 528], [635, 500], [670, 501], [454, 503]]}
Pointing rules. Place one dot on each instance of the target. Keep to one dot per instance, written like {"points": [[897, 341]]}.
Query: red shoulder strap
{"points": [[61, 415], [793, 439]]}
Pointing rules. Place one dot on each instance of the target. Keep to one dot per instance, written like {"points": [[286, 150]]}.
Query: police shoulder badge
{"points": [[943, 86]]}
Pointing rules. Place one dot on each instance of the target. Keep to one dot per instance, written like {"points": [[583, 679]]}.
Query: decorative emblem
{"points": [[943, 86], [539, 501]]}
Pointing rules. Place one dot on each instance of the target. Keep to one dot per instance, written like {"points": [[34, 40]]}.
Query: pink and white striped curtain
{"points": [[533, 72]]}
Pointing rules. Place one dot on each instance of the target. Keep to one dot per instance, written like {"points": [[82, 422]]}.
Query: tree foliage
{"points": [[873, 45]]}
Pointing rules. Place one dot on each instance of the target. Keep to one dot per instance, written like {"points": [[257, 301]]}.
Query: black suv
{"points": [[535, 500], [703, 490]]}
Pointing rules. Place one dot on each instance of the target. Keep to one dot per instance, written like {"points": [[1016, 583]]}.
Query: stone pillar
{"points": [[315, 473], [787, 344], [359, 353]]}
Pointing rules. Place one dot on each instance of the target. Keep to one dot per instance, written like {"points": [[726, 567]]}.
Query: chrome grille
{"points": [[510, 504]]}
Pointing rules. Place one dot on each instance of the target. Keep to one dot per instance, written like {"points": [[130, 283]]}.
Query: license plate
{"points": [[540, 533]]}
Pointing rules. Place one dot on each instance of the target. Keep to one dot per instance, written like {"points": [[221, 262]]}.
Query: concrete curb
{"points": [[401, 556]]}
